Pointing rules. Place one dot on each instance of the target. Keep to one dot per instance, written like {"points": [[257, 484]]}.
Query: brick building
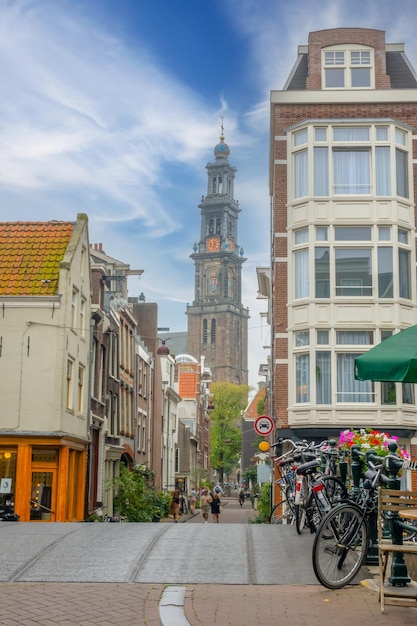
{"points": [[343, 187]]}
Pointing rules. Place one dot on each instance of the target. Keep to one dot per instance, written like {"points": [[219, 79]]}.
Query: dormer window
{"points": [[348, 68]]}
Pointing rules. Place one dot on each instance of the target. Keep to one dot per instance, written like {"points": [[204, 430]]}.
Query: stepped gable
{"points": [[30, 256]]}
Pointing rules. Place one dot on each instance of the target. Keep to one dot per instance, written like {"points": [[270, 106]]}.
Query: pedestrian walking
{"points": [[205, 502], [241, 497], [174, 505], [215, 506], [193, 499]]}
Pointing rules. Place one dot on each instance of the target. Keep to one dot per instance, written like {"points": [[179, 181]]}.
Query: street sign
{"points": [[264, 425]]}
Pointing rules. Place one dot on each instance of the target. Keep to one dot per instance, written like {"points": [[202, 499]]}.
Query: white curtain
{"points": [[321, 172], [382, 171], [323, 378], [351, 172], [349, 389], [301, 174], [301, 274]]}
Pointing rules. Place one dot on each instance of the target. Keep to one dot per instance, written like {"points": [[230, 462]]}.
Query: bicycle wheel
{"points": [[340, 546], [283, 512], [335, 489], [300, 509]]}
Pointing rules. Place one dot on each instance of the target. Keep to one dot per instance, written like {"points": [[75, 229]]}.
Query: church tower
{"points": [[217, 320]]}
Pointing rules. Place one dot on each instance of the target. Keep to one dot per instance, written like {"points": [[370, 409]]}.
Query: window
{"points": [[302, 378], [204, 332], [404, 273], [355, 162], [213, 331], [302, 338], [323, 378], [82, 316], [80, 403], [349, 389], [323, 337], [301, 173], [322, 272], [70, 382], [385, 273], [352, 172], [353, 272], [301, 236], [301, 274], [348, 69], [352, 233], [401, 162], [74, 298]]}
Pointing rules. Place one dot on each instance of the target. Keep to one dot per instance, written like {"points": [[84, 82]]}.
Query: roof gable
{"points": [[30, 256]]}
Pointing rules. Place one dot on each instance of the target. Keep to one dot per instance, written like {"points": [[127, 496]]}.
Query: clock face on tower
{"points": [[213, 244]]}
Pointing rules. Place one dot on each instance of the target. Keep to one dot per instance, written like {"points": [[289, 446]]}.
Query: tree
{"points": [[225, 434]]}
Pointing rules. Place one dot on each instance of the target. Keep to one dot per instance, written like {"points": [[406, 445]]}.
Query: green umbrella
{"points": [[395, 359]]}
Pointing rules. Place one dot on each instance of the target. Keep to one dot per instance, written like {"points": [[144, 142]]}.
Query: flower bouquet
{"points": [[371, 440]]}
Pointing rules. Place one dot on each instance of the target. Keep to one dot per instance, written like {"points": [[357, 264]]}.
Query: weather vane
{"points": [[221, 126]]}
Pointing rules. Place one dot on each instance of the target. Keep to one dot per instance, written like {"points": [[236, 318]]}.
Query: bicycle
{"points": [[342, 540], [316, 493]]}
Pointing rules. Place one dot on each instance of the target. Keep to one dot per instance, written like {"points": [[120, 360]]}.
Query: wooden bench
{"points": [[390, 502]]}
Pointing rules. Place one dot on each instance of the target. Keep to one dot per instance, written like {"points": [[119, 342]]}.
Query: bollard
{"points": [[372, 557], [356, 469], [399, 575]]}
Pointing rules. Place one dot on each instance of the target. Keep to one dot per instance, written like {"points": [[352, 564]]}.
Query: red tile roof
{"points": [[251, 411], [30, 254]]}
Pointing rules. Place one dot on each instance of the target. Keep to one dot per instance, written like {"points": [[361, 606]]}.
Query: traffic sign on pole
{"points": [[264, 425]]}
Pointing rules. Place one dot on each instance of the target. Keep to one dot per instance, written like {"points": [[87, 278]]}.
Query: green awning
{"points": [[395, 359]]}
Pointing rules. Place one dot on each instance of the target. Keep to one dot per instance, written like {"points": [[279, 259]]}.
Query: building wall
{"points": [[290, 112]]}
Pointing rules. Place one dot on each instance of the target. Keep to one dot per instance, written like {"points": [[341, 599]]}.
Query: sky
{"points": [[113, 107]]}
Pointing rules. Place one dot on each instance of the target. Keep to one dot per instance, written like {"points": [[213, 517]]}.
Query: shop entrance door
{"points": [[43, 498]]}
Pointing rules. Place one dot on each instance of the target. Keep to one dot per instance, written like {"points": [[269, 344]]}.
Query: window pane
{"points": [[300, 174], [382, 171], [302, 377], [334, 58], [300, 137], [323, 337], [352, 233], [388, 393], [402, 236], [301, 236], [400, 137], [323, 378], [302, 338], [382, 133], [408, 393], [384, 233], [404, 269], [320, 134], [353, 272], [402, 173], [351, 172], [334, 78], [322, 272], [360, 57], [349, 389], [301, 274], [354, 337], [361, 77], [351, 133], [385, 273], [321, 233], [321, 172]]}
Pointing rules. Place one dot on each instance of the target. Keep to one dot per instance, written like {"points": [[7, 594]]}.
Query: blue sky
{"points": [[112, 108]]}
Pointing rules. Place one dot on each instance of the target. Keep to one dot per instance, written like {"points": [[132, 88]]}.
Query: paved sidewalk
{"points": [[69, 604]]}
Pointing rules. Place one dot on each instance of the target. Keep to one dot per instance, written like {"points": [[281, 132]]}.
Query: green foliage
{"points": [[250, 475], [260, 407], [225, 434], [264, 505], [136, 499]]}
